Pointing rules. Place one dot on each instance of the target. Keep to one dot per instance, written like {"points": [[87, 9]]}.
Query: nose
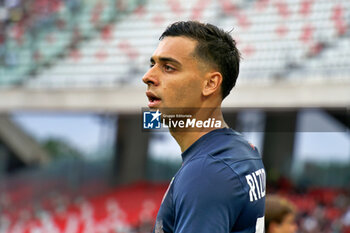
{"points": [[150, 77]]}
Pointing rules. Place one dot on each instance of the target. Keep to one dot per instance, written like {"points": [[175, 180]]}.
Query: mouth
{"points": [[153, 100]]}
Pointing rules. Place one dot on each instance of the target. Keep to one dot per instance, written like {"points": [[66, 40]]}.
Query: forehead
{"points": [[179, 47]]}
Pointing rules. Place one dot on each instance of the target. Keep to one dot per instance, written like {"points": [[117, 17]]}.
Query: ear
{"points": [[212, 83]]}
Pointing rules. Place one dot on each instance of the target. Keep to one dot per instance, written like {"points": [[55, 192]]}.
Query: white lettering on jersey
{"points": [[257, 184], [260, 225]]}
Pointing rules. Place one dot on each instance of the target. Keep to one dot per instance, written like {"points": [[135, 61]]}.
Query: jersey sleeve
{"points": [[210, 197]]}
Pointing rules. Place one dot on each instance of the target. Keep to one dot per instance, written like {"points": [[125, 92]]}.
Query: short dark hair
{"points": [[215, 46], [276, 209]]}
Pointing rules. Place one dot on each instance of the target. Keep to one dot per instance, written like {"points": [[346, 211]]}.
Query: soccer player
{"points": [[280, 215], [220, 187]]}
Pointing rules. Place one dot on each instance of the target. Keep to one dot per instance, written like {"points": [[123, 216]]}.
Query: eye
{"points": [[151, 65], [168, 68]]}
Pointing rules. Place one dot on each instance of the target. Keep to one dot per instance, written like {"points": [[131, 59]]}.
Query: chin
{"points": [[155, 108]]}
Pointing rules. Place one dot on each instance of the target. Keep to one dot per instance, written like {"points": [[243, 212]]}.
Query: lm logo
{"points": [[151, 120]]}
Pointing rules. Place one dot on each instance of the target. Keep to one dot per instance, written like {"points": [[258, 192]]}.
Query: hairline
{"points": [[201, 61]]}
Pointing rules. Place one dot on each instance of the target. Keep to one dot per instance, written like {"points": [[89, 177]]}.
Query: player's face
{"points": [[174, 79], [288, 225]]}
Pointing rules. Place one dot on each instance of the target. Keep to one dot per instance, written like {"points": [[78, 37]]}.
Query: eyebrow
{"points": [[166, 59]]}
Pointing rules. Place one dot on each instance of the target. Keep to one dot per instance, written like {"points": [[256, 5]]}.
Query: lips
{"points": [[153, 100]]}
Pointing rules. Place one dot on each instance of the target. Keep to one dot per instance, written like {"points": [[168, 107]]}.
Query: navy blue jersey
{"points": [[220, 188]]}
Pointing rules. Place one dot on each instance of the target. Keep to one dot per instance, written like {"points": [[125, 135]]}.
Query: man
{"points": [[280, 215], [220, 187]]}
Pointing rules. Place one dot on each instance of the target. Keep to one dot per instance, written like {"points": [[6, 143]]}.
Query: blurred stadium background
{"points": [[73, 157]]}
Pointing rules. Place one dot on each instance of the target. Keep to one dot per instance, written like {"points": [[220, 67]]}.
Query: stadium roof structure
{"points": [[129, 99]]}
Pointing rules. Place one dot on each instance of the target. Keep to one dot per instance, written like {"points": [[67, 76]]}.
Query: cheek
{"points": [[192, 87], [181, 91], [189, 95]]}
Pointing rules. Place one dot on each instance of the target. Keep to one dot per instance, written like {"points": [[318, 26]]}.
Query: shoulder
{"points": [[207, 174], [206, 183], [237, 153], [229, 145], [226, 159]]}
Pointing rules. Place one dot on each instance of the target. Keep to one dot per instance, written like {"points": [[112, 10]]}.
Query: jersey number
{"points": [[260, 224]]}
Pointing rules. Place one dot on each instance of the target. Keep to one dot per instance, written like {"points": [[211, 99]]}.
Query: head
{"points": [[193, 65], [279, 215]]}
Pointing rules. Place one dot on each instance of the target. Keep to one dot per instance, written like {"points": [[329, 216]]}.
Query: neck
{"points": [[186, 139]]}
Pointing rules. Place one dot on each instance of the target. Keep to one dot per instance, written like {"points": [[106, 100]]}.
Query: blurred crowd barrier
{"points": [[133, 208]]}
